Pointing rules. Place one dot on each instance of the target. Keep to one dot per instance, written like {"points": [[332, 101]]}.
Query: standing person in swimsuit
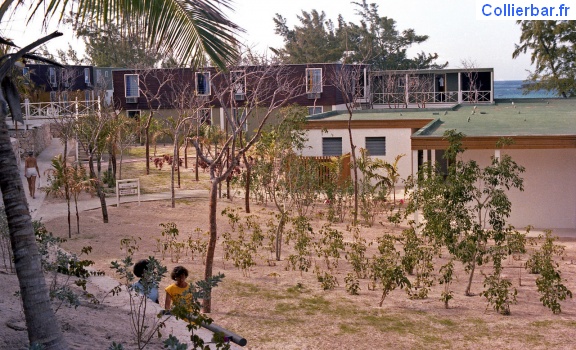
{"points": [[31, 171]]}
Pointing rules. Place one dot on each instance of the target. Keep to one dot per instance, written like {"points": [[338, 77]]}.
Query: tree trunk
{"points": [[41, 322], [67, 189], [77, 214], [469, 286], [186, 153], [98, 188], [174, 152], [279, 233], [196, 168], [247, 186], [147, 147], [354, 168], [67, 194], [207, 302]]}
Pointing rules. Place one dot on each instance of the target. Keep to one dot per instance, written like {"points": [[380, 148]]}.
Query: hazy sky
{"points": [[453, 30]]}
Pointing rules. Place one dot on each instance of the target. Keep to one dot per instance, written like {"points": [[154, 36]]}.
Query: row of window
{"points": [[62, 96], [67, 76], [332, 146], [202, 83]]}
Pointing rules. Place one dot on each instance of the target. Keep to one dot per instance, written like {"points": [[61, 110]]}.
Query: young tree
{"points": [[188, 113], [93, 133], [65, 180], [153, 86], [277, 165], [348, 80], [465, 210], [268, 88]]}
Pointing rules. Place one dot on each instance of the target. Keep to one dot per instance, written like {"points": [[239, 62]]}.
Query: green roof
{"points": [[523, 117]]}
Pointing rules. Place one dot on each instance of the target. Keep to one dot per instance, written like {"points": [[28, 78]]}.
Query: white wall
{"points": [[397, 142], [549, 197]]}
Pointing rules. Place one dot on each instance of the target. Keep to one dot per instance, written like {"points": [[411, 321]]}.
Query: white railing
{"points": [[415, 97], [476, 96], [41, 111]]}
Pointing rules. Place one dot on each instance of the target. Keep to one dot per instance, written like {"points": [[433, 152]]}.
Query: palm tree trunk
{"points": [[41, 322]]}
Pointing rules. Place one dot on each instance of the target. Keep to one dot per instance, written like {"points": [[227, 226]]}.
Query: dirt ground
{"points": [[275, 308]]}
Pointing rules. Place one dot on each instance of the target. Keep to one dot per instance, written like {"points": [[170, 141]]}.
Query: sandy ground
{"points": [[276, 308]]}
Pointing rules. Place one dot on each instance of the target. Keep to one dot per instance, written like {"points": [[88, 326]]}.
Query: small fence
{"points": [[325, 168]]}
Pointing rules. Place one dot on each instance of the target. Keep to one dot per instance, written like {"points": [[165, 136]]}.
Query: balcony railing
{"points": [[476, 96], [42, 111], [425, 97]]}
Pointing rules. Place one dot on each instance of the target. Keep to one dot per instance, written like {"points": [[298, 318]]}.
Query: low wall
{"points": [[35, 139]]}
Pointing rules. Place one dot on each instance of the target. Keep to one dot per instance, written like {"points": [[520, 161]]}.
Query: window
{"points": [[135, 114], [131, 87], [313, 80], [87, 75], [52, 76], [65, 77], [205, 116], [238, 84], [26, 75], [203, 83], [360, 91], [240, 118], [331, 146], [106, 74], [376, 146], [53, 96], [98, 76], [315, 110], [88, 95]]}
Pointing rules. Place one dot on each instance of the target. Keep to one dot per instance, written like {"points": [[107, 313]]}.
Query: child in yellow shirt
{"points": [[175, 290]]}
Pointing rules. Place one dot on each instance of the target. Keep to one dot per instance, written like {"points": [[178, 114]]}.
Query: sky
{"points": [[454, 32]]}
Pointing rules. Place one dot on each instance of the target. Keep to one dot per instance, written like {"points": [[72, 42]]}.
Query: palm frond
{"points": [[191, 29]]}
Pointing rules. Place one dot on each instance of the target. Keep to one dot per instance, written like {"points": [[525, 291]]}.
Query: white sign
{"points": [[128, 187]]}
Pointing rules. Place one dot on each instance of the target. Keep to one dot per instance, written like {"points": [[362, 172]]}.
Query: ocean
{"points": [[505, 89]]}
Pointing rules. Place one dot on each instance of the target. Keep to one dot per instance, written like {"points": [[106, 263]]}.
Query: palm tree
{"points": [[189, 29], [65, 180]]}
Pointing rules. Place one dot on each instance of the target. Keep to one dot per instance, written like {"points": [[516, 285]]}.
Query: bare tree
{"points": [[269, 87], [346, 78], [153, 85], [420, 89], [188, 107], [93, 131], [474, 84]]}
